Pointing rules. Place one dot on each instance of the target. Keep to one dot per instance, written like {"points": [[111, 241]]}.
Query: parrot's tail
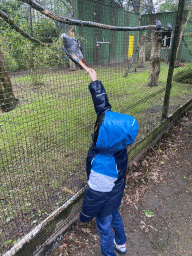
{"points": [[84, 62]]}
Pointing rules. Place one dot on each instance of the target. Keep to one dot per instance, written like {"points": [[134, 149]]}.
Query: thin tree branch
{"points": [[23, 33], [188, 49], [34, 4], [72, 14]]}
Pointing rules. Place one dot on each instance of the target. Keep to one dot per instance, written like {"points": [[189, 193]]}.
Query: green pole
{"points": [[173, 57]]}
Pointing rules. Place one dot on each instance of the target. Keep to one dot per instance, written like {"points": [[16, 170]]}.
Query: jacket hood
{"points": [[116, 132]]}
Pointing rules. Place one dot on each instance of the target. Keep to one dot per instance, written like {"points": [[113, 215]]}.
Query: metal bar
{"points": [[103, 42], [173, 57]]}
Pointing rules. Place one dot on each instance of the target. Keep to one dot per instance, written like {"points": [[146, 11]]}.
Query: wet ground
{"points": [[157, 203]]}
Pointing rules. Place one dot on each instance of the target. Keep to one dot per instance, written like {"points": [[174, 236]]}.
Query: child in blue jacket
{"points": [[106, 170]]}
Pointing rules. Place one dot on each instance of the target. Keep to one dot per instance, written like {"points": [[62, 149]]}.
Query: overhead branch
{"points": [[35, 5], [23, 33]]}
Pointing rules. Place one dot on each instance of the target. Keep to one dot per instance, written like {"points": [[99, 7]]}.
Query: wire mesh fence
{"points": [[47, 115]]}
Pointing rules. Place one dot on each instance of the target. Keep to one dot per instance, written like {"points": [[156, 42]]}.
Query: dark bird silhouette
{"points": [[70, 46], [169, 27], [158, 24]]}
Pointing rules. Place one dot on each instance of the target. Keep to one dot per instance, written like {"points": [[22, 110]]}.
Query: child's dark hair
{"points": [[96, 128]]}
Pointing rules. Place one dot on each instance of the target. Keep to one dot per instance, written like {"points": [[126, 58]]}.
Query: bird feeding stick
{"points": [[80, 62]]}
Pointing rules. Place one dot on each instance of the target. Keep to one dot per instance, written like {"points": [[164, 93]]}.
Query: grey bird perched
{"points": [[158, 24], [169, 27], [70, 46]]}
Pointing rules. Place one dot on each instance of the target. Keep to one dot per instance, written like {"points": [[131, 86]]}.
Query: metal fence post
{"points": [[173, 57]]}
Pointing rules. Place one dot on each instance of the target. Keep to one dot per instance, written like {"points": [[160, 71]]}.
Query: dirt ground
{"points": [[157, 203]]}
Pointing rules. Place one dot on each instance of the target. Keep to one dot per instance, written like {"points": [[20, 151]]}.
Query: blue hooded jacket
{"points": [[107, 157]]}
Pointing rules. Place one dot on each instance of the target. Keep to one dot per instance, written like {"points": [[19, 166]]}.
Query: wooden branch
{"points": [[35, 5], [80, 62], [188, 49], [23, 33], [167, 38], [71, 30]]}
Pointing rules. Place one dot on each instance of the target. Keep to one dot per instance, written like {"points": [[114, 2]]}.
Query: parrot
{"points": [[158, 24], [70, 46], [169, 27]]}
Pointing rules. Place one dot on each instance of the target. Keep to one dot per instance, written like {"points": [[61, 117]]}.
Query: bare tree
{"points": [[155, 59], [147, 7], [7, 98], [142, 45]]}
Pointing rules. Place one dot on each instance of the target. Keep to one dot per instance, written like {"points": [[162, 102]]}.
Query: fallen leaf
{"points": [[68, 190], [148, 213], [7, 242]]}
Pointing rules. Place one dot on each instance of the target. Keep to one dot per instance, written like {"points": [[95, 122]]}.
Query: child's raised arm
{"points": [[99, 96], [93, 75]]}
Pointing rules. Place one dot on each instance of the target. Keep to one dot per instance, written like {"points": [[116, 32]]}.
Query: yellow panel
{"points": [[131, 44]]}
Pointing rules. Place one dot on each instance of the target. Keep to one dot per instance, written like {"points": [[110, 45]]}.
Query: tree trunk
{"points": [[142, 45], [182, 31], [7, 98], [155, 59]]}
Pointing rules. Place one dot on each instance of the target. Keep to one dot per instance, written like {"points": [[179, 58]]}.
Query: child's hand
{"points": [[92, 74]]}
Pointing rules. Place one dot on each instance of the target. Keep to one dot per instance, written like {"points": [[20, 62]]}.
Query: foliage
{"points": [[14, 45], [171, 5], [11, 63], [138, 6], [45, 30], [188, 34], [11, 47], [147, 7], [11, 7], [184, 74], [39, 58], [12, 42]]}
